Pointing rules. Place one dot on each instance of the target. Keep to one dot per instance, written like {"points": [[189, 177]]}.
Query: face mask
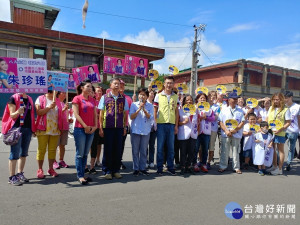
{"points": [[264, 130]]}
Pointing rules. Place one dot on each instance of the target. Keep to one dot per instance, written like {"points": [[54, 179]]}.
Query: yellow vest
{"points": [[166, 110], [280, 115]]}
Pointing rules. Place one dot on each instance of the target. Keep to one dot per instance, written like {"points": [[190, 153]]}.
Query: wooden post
{"points": [[67, 96], [54, 97]]}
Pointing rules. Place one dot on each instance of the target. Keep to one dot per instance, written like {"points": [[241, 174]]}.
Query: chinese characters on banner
{"points": [[113, 65], [57, 81], [23, 75], [136, 66], [131, 65], [91, 72]]}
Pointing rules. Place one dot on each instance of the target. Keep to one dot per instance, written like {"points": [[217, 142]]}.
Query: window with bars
{"points": [[55, 59], [268, 83], [16, 51], [76, 59], [246, 78]]}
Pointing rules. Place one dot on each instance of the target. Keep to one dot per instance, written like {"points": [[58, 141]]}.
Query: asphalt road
{"points": [[196, 199]]}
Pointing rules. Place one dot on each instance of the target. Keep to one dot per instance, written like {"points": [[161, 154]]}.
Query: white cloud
{"points": [[177, 53], [202, 17], [285, 56], [5, 9], [296, 37], [36, 1], [242, 27], [104, 34]]}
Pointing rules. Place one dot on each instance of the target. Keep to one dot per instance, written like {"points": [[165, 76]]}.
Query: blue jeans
{"points": [[203, 141], [21, 148], [292, 139], [139, 145], [83, 143], [151, 150], [113, 144], [165, 133]]}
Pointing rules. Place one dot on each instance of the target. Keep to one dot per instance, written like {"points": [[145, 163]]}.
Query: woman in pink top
{"points": [[86, 123], [12, 119], [48, 125]]}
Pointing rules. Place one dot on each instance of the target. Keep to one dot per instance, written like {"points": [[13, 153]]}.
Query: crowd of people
{"points": [[185, 141]]}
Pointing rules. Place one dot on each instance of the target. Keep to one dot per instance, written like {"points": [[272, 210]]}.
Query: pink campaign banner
{"points": [[91, 72], [113, 65], [136, 66], [23, 75]]}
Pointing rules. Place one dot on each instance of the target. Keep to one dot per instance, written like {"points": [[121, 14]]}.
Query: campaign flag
{"points": [[23, 75], [136, 66], [113, 65], [91, 72], [57, 81]]}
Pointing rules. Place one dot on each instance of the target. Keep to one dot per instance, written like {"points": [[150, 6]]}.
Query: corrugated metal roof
{"points": [[49, 12]]}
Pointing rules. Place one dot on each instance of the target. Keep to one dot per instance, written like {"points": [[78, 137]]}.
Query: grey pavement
{"points": [[195, 199]]}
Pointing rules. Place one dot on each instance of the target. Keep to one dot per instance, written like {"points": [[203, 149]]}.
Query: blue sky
{"points": [[265, 31]]}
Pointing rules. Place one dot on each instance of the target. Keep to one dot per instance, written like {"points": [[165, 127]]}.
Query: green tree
{"points": [[161, 77]]}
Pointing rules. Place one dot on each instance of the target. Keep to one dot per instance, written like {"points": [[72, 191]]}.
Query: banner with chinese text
{"points": [[23, 75], [113, 65], [57, 81], [91, 72], [136, 66]]}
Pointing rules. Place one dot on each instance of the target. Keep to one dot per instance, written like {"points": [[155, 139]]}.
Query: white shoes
{"points": [[277, 171], [151, 165]]}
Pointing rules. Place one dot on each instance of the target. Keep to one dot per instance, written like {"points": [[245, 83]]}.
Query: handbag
{"points": [[13, 135]]}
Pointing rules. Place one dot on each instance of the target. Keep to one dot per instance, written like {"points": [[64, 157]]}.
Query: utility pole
{"points": [[195, 54]]}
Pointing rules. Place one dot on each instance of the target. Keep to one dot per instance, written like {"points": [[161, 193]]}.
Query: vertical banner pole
{"points": [[67, 97], [134, 88], [54, 96]]}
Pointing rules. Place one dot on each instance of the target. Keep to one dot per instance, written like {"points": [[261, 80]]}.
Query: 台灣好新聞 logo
{"points": [[233, 211]]}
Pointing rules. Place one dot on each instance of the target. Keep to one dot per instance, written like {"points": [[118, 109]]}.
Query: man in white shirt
{"points": [[231, 138], [293, 130]]}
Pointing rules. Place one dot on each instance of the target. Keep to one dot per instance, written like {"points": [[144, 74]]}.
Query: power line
{"points": [[213, 64], [174, 47], [185, 57], [206, 55], [121, 16]]}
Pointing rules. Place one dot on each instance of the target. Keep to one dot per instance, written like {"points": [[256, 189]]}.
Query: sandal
{"points": [[238, 171], [221, 171]]}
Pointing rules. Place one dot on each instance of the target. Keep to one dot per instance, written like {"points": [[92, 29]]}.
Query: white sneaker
{"points": [[271, 169], [277, 171], [165, 168], [151, 165]]}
